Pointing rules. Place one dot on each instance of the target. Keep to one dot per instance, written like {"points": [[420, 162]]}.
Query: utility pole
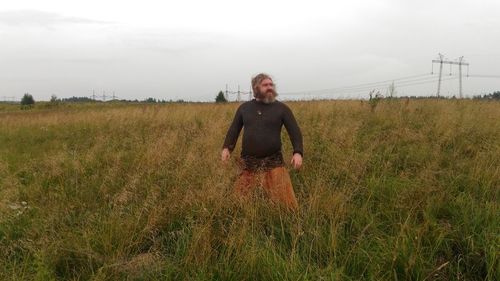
{"points": [[93, 94], [9, 99], [460, 62], [440, 61], [238, 94]]}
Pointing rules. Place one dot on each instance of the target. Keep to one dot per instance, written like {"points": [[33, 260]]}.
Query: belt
{"points": [[252, 163]]}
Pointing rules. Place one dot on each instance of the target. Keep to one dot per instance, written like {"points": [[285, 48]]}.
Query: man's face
{"points": [[266, 91]]}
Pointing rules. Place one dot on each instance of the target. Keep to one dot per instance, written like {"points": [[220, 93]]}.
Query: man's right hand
{"points": [[225, 155]]}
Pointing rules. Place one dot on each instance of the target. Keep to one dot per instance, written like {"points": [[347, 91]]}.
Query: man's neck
{"points": [[261, 101]]}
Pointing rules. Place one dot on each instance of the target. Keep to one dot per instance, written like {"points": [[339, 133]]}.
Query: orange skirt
{"points": [[275, 182]]}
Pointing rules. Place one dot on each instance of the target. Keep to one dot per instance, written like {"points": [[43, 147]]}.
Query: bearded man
{"points": [[261, 156]]}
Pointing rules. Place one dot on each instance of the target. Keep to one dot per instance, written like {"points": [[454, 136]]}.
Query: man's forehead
{"points": [[266, 80]]}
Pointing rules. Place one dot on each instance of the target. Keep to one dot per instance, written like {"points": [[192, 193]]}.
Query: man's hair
{"points": [[256, 80]]}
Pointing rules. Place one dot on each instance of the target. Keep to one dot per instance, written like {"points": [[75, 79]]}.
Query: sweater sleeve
{"points": [[234, 131], [293, 131]]}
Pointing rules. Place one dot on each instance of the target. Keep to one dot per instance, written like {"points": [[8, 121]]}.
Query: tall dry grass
{"points": [[406, 191]]}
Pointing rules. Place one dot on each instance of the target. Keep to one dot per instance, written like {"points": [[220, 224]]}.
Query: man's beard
{"points": [[267, 97]]}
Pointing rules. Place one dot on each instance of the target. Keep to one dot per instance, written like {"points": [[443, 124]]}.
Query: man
{"points": [[262, 159]]}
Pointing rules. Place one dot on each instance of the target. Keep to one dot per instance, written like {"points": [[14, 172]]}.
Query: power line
{"points": [[402, 81], [483, 76], [385, 84], [362, 88], [442, 61], [366, 88], [238, 93], [359, 85], [412, 84], [398, 86], [9, 99], [102, 97]]}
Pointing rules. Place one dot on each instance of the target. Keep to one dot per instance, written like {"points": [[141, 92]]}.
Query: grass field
{"points": [[406, 191]]}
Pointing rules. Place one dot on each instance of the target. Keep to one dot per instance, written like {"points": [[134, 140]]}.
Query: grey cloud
{"points": [[94, 60], [41, 19], [173, 42]]}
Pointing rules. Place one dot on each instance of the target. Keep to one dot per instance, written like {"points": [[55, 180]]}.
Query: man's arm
{"points": [[293, 131], [234, 131]]}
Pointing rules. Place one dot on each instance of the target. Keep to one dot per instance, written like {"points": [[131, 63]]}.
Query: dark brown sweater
{"points": [[261, 145]]}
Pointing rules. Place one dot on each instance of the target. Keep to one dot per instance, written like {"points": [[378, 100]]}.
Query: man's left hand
{"points": [[296, 160]]}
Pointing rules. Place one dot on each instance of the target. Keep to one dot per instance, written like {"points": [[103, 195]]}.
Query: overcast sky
{"points": [[190, 49]]}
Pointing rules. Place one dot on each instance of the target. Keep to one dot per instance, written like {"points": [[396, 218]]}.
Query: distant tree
{"points": [[494, 95], [151, 100], [27, 101], [491, 96], [53, 98], [77, 99], [220, 97], [374, 100], [392, 90]]}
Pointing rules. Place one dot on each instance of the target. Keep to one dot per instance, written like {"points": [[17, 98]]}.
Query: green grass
{"points": [[408, 191]]}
